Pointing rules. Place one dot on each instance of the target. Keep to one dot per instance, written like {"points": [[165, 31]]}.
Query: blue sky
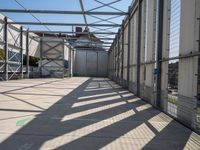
{"points": [[60, 5]]}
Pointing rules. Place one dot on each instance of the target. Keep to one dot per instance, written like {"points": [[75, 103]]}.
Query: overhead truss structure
{"points": [[102, 27]]}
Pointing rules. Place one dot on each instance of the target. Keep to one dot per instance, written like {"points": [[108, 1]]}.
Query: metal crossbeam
{"points": [[61, 12], [108, 5], [64, 24], [103, 29], [110, 18], [104, 5], [92, 42], [83, 10], [106, 20], [74, 38], [69, 32]]}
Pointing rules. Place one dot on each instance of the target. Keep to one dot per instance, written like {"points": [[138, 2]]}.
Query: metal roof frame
{"points": [[101, 32]]}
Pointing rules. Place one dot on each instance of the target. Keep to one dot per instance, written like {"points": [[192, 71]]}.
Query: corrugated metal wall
{"points": [[91, 63]]}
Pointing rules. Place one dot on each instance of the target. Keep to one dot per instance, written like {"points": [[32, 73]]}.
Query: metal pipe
{"points": [[139, 47], [69, 32], [73, 38], [198, 77], [70, 61], [41, 55], [122, 67], [64, 24], [62, 12], [6, 49], [27, 54], [129, 49], [118, 52], [84, 16], [159, 51], [21, 52]]}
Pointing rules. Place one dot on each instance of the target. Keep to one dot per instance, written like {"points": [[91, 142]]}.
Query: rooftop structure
{"points": [[97, 74]]}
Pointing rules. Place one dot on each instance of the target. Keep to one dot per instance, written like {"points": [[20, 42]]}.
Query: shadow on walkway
{"points": [[99, 114]]}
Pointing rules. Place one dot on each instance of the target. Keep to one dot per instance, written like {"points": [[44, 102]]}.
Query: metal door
{"points": [[91, 63]]}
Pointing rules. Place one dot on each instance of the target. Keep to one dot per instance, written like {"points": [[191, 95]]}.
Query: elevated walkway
{"points": [[84, 113]]}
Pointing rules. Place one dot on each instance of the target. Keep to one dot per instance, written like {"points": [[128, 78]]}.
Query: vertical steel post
{"points": [[73, 61], [116, 58], [97, 69], [139, 47], [114, 53], [21, 52], [122, 66], [129, 47], [159, 51], [5, 49], [113, 61], [63, 57], [41, 51], [118, 52], [198, 71], [27, 54], [69, 61]]}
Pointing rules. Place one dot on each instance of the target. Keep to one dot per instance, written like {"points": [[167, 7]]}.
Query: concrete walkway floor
{"points": [[84, 114]]}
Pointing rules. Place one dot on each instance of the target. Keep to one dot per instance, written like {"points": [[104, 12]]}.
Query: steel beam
{"points": [[139, 47], [129, 49], [122, 67], [74, 38], [21, 52], [27, 55], [109, 5], [106, 38], [198, 71], [62, 12], [5, 49], [159, 52], [41, 56], [118, 52], [104, 5], [63, 57], [64, 24], [114, 53], [69, 32], [90, 42], [73, 61], [70, 61], [84, 16]]}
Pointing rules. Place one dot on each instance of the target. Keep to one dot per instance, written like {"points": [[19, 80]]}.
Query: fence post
{"points": [[5, 49]]}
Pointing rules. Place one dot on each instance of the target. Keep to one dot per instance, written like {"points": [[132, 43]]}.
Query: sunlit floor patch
{"points": [[127, 95], [137, 138], [97, 95], [133, 100], [143, 107], [93, 101], [193, 142], [91, 111], [97, 89], [74, 135], [160, 121]]}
